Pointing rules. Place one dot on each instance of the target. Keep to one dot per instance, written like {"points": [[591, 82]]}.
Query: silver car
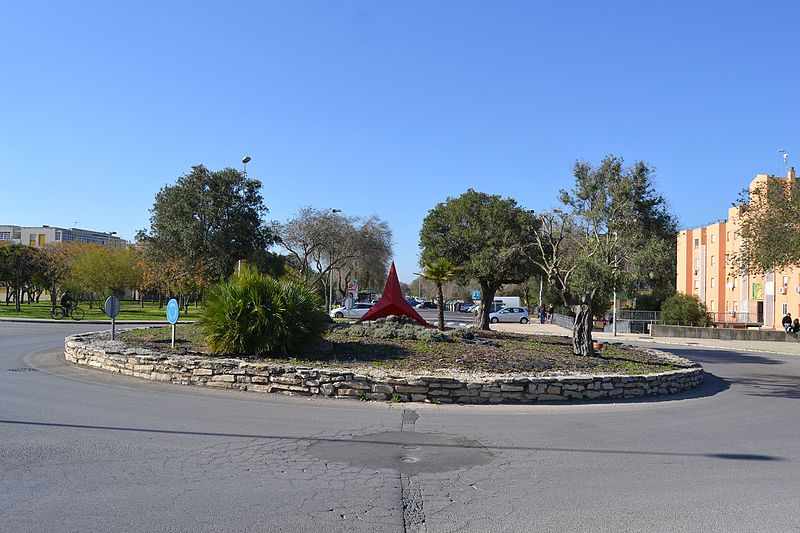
{"points": [[510, 314], [357, 311]]}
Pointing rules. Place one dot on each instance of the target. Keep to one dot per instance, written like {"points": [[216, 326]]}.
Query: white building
{"points": [[40, 235]]}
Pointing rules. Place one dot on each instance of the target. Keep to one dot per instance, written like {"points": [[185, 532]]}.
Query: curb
{"points": [[106, 321]]}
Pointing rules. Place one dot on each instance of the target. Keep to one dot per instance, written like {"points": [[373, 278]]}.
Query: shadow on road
{"points": [[722, 356], [769, 386], [364, 440]]}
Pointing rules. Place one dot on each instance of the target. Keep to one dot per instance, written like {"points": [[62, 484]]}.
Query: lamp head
{"points": [[246, 159]]}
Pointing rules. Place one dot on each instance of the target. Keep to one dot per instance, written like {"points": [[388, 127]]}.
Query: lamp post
{"points": [[245, 160], [330, 271]]}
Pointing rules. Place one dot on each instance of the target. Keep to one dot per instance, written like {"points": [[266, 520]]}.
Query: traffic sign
{"points": [[172, 311], [352, 288], [111, 306], [476, 295]]}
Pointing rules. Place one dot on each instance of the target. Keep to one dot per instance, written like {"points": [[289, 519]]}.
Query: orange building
{"points": [[733, 298]]}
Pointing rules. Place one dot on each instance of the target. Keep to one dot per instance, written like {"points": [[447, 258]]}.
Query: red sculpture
{"points": [[392, 302]]}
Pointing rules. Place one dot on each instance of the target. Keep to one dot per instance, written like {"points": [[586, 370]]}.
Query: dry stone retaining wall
{"points": [[259, 377]]}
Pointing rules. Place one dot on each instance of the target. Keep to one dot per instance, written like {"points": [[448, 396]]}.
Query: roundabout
{"points": [[84, 449]]}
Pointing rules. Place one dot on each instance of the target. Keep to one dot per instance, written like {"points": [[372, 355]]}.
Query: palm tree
{"points": [[439, 272]]}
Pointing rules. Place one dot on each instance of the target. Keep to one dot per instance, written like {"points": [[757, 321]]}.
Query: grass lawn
{"points": [[484, 352], [129, 310]]}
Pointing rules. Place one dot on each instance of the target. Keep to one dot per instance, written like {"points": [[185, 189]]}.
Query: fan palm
{"points": [[439, 272]]}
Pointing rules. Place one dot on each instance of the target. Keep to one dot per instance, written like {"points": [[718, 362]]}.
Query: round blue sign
{"points": [[172, 311]]}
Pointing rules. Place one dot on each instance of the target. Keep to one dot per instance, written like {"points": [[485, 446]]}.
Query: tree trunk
{"points": [[16, 299], [440, 298], [487, 297], [582, 327]]}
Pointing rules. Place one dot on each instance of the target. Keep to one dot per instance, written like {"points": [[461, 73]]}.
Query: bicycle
{"points": [[74, 312]]}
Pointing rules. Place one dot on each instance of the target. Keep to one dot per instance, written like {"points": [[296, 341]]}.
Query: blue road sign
{"points": [[476, 295], [172, 311]]}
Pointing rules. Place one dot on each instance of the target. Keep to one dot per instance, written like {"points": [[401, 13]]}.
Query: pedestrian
{"points": [[550, 311], [542, 315], [796, 325], [787, 322]]}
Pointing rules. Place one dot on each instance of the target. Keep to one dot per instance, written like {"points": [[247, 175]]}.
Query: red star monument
{"points": [[392, 302]]}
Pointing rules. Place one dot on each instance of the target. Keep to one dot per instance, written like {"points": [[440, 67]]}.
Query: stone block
{"points": [[228, 378], [361, 385], [408, 389]]}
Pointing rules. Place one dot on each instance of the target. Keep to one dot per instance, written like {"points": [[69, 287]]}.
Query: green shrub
{"points": [[684, 310], [396, 327], [256, 314]]}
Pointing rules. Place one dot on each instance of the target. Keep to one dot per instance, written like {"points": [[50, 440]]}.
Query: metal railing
{"points": [[562, 320]]}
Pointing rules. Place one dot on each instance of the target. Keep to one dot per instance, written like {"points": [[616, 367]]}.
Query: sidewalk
{"points": [[786, 348]]}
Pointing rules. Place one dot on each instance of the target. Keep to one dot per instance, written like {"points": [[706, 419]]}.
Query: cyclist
{"points": [[67, 302]]}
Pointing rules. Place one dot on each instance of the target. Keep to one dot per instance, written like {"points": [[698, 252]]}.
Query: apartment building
{"points": [[41, 235], [704, 270]]}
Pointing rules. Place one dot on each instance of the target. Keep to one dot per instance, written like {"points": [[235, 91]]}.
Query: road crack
{"points": [[410, 493]]}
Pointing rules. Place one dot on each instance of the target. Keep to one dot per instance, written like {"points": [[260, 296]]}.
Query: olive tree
{"points": [[614, 230], [489, 238]]}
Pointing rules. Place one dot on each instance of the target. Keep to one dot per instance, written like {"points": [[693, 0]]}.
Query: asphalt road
{"points": [[82, 450]]}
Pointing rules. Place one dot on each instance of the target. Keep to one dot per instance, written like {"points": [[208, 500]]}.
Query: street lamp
{"points": [[330, 272], [245, 160]]}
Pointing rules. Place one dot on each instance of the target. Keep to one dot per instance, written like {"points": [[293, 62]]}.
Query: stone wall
{"points": [[730, 334], [258, 377]]}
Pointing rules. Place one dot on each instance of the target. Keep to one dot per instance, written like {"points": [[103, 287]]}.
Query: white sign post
{"points": [[173, 311]]}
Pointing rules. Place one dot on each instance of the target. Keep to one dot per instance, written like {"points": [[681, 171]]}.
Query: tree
{"points": [[207, 221], [104, 271], [489, 238], [439, 272], [769, 217], [610, 235], [322, 241], [18, 265], [57, 260], [684, 309]]}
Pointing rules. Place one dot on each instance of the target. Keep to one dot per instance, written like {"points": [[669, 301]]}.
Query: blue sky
{"points": [[386, 107]]}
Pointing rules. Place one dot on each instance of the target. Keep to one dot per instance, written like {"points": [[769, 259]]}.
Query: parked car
{"points": [[426, 305], [357, 311], [412, 301], [509, 314], [468, 307]]}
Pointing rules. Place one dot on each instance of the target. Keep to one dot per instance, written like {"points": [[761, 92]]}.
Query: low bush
{"points": [[684, 310], [255, 314], [396, 327]]}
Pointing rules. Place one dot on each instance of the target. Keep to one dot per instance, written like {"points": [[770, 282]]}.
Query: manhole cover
{"points": [[408, 452], [23, 369]]}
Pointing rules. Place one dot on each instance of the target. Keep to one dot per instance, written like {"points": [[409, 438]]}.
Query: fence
{"points": [[562, 320]]}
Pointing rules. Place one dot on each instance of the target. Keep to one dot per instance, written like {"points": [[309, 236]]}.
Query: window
{"points": [[5, 235], [697, 284], [784, 308], [712, 283], [713, 238], [713, 260], [785, 281], [713, 305], [696, 244], [728, 236]]}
